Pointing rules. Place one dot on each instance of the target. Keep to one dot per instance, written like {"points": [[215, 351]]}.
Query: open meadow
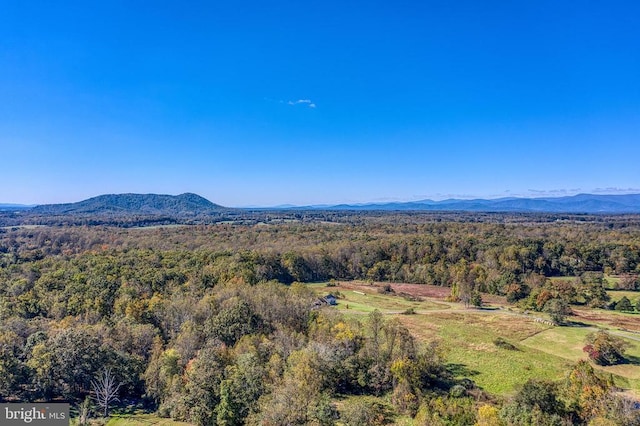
{"points": [[534, 349]]}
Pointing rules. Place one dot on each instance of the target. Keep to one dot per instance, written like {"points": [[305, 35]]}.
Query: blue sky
{"points": [[273, 102]]}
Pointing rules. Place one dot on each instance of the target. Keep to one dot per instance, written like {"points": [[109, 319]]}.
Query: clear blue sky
{"points": [[272, 102]]}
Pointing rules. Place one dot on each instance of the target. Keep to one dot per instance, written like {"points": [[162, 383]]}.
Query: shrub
{"points": [[386, 289], [365, 411], [501, 343]]}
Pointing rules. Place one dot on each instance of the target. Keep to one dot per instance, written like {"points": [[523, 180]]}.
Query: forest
{"points": [[214, 324]]}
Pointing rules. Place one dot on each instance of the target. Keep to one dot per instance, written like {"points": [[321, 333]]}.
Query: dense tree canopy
{"points": [[210, 324]]}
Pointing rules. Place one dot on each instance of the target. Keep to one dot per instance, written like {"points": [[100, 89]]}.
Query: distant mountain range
{"points": [[582, 203], [13, 207], [191, 205]]}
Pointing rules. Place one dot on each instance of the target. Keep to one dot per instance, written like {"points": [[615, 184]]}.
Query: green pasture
{"points": [[143, 420], [567, 343], [467, 337], [136, 419], [357, 302], [616, 295]]}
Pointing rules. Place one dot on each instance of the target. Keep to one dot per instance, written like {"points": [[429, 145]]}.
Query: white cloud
{"points": [[561, 192], [616, 190], [306, 102]]}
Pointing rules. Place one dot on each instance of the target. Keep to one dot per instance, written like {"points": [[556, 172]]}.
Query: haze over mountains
{"points": [[189, 204], [581, 203]]}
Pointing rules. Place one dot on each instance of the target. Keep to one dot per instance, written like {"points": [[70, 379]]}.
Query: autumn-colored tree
{"points": [[585, 392], [605, 349]]}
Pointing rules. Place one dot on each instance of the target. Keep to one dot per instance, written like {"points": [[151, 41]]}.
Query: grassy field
{"points": [[138, 419], [616, 295], [610, 280], [468, 338], [364, 302], [143, 420], [468, 335], [567, 343]]}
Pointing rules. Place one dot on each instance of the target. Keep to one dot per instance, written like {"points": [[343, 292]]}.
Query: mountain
{"points": [[581, 203], [154, 209], [138, 204], [13, 207]]}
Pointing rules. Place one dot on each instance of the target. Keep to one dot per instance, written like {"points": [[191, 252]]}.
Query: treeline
{"points": [[489, 257], [130, 213]]}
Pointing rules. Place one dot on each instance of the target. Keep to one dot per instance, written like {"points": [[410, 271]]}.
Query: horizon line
{"points": [[437, 198]]}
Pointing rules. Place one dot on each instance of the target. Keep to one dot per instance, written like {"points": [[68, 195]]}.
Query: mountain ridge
{"points": [[190, 204], [130, 203], [580, 203]]}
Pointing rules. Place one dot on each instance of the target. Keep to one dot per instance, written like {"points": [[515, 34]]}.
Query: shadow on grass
{"points": [[576, 324], [458, 370], [631, 360]]}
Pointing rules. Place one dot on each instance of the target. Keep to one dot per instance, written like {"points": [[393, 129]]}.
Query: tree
{"points": [[201, 394], [12, 369], [628, 282], [585, 392], [235, 319], [297, 397], [536, 403], [240, 391], [542, 394], [624, 305], [84, 411], [476, 299], [558, 310], [106, 390], [75, 356], [605, 349], [515, 292]]}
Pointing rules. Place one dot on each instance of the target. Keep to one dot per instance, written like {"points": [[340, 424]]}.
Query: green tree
{"points": [[298, 397], [201, 395], [624, 305], [240, 392], [476, 299], [558, 310], [12, 370], [235, 319], [76, 355]]}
